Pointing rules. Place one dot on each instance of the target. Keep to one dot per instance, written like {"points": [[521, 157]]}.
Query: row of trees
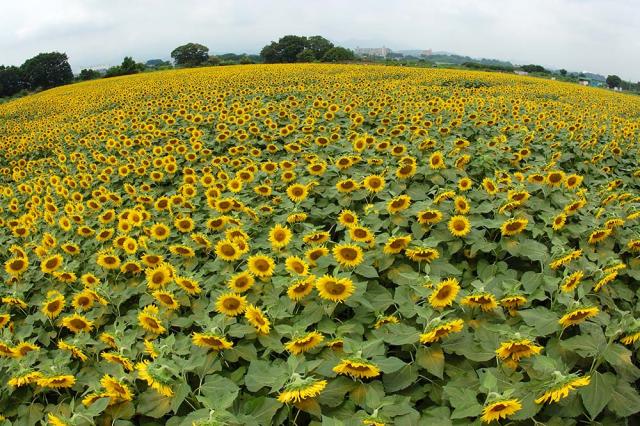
{"points": [[43, 71], [293, 48]]}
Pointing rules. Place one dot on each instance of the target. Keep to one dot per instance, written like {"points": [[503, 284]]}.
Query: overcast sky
{"points": [[601, 36]]}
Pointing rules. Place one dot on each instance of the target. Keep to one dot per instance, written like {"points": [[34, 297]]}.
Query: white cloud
{"points": [[596, 35]]}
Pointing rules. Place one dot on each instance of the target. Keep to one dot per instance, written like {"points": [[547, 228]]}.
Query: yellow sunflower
{"points": [[334, 289], [445, 293], [459, 226], [304, 344], [357, 368], [261, 266], [231, 304], [501, 409], [348, 255]]}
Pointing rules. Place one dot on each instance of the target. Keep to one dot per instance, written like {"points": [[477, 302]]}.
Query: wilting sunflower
{"points": [[261, 266], [211, 341], [154, 377], [439, 330], [395, 245], [599, 235], [334, 289], [357, 368], [148, 319], [485, 301], [459, 226], [301, 389], [280, 236], [115, 389], [257, 318], [512, 351], [231, 304], [57, 382], [560, 386], [513, 226], [578, 315], [77, 323], [300, 289], [500, 409], [228, 250], [348, 255], [304, 344], [631, 336], [445, 293]]}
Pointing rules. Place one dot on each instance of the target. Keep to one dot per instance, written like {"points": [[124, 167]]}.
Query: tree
{"points": [[11, 81], [47, 70], [190, 55], [128, 66], [319, 46], [563, 72], [286, 49], [87, 74], [338, 54], [306, 56], [534, 68], [270, 53], [613, 81]]}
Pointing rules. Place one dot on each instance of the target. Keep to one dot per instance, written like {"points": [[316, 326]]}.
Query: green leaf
{"points": [[367, 271], [431, 359], [542, 320], [218, 392], [625, 400], [598, 394], [401, 379], [152, 404], [398, 334], [261, 409], [530, 249], [264, 373], [97, 407], [390, 365], [583, 345]]}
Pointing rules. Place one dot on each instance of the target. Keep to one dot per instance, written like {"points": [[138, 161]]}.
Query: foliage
{"points": [[613, 81], [47, 70], [320, 244], [128, 66], [11, 81], [292, 48], [533, 68], [338, 54], [190, 55], [88, 74]]}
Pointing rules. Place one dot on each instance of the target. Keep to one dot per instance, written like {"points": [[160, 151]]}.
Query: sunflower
{"points": [[108, 260], [279, 236], [459, 226], [572, 281], [228, 250], [300, 289], [461, 204], [445, 293], [16, 266], [159, 276], [347, 186], [555, 178], [296, 266], [559, 221], [334, 289], [605, 280], [304, 344], [395, 245], [115, 389], [261, 266], [513, 302], [429, 217], [166, 299], [75, 351], [160, 232], [53, 305], [348, 219], [489, 186], [388, 319], [398, 204], [184, 224], [77, 323], [297, 192], [485, 301], [374, 183], [513, 226], [357, 368], [301, 389], [348, 255], [154, 378], [25, 379], [116, 358], [148, 320], [512, 351], [561, 386], [436, 161], [361, 234], [599, 235], [50, 264], [316, 238], [439, 330], [23, 348], [578, 315], [500, 409], [422, 254], [231, 304], [256, 318], [312, 255], [211, 341], [57, 382]]}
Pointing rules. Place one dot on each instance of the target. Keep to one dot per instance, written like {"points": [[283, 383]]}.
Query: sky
{"points": [[601, 36]]}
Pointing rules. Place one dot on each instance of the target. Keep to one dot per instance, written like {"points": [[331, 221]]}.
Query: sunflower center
{"points": [[335, 288]]}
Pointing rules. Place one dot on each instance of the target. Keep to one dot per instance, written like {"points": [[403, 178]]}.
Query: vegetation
{"points": [[320, 244], [613, 81], [190, 55], [292, 48]]}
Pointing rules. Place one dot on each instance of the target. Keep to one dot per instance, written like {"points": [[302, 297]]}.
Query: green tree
{"points": [[190, 55], [286, 49], [11, 81], [338, 54], [534, 68], [306, 56], [87, 74], [613, 81], [47, 70], [319, 46], [128, 66], [563, 72]]}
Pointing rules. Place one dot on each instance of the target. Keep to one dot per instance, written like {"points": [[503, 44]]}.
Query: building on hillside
{"points": [[520, 72], [377, 52], [586, 81], [426, 53]]}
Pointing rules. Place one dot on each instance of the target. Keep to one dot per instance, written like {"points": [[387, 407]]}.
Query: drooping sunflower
{"points": [[154, 377], [439, 330], [572, 281], [74, 350], [459, 226], [25, 378], [605, 280], [334, 289], [357, 368], [512, 351], [280, 236], [422, 254], [116, 389], [116, 358], [231, 304], [348, 255], [301, 389], [599, 235], [258, 319], [513, 226], [560, 386], [500, 409], [211, 341], [485, 301], [445, 293], [578, 315], [261, 266], [305, 343]]}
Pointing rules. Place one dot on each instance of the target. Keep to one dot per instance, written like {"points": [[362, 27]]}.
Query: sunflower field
{"points": [[320, 244]]}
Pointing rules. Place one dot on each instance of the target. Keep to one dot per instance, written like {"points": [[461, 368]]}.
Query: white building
{"points": [[380, 52]]}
